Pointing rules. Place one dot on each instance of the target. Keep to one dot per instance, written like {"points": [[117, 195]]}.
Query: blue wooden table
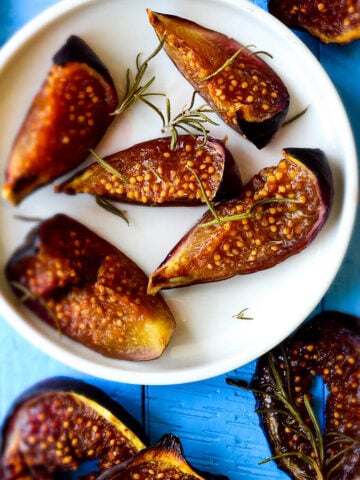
{"points": [[216, 422]]}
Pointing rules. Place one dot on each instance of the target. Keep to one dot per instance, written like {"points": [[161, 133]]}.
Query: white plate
{"points": [[208, 340]]}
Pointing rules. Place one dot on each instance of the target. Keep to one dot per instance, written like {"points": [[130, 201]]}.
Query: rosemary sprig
{"points": [[109, 167], [230, 60], [203, 191], [134, 90], [106, 205], [250, 213], [29, 295], [280, 392], [191, 120]]}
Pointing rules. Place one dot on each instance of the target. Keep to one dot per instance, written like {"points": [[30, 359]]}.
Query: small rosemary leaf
{"points": [[108, 167], [295, 117], [237, 382], [25, 218], [226, 63], [241, 315], [106, 205], [263, 52], [183, 279]]}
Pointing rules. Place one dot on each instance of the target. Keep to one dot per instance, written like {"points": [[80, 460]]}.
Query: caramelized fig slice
{"points": [[336, 21], [89, 290], [60, 423], [248, 94], [278, 213], [164, 460], [156, 175], [327, 346], [69, 115]]}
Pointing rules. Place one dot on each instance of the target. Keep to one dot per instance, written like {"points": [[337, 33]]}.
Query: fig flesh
{"points": [[328, 346], [278, 213], [335, 21], [69, 114], [248, 94], [164, 460], [90, 291], [156, 175], [60, 423]]}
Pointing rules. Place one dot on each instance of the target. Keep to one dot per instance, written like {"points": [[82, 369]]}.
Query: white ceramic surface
{"points": [[208, 340]]}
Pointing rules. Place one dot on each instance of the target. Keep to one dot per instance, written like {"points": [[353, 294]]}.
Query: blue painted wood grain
{"points": [[216, 422]]}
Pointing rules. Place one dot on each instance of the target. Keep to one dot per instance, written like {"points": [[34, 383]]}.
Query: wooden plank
{"points": [[216, 423]]}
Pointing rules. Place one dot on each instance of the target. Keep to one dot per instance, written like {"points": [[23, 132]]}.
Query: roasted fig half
{"points": [[60, 423], [69, 115], [90, 291], [328, 346], [245, 91], [335, 21], [153, 174], [164, 460], [278, 213]]}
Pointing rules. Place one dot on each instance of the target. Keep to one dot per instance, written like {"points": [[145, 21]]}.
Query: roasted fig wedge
{"points": [[247, 94], [279, 212], [153, 174], [90, 291], [335, 21], [328, 346], [165, 460], [60, 423], [69, 115]]}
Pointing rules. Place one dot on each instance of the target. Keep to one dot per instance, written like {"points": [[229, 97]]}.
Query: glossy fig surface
{"points": [[68, 115], [165, 460], [90, 291], [247, 94], [278, 213], [60, 423], [335, 21], [153, 174], [328, 346]]}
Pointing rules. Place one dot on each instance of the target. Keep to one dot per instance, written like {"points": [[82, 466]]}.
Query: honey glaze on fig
{"points": [[165, 460], [90, 291], [336, 21], [327, 346], [60, 423], [278, 213], [156, 175], [246, 92], [70, 114]]}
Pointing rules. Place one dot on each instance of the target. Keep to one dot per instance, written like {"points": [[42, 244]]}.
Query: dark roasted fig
{"points": [[89, 290], [60, 423], [164, 460], [327, 346], [336, 21], [247, 94], [278, 213], [153, 174], [69, 115]]}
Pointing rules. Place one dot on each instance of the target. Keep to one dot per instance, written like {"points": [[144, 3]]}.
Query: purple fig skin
{"points": [[327, 346], [271, 234], [58, 423], [248, 94], [156, 175], [69, 115]]}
